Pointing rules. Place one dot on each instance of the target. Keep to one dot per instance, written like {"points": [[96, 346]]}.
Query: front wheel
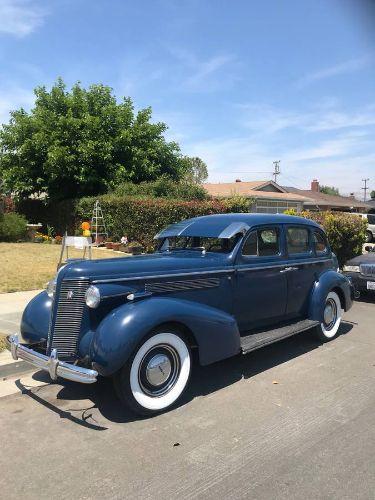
{"points": [[156, 375], [328, 329]]}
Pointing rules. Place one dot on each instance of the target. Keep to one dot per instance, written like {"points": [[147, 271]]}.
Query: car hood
{"points": [[144, 265], [367, 258]]}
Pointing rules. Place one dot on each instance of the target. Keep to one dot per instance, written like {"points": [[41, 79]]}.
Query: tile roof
{"points": [[249, 189], [329, 199]]}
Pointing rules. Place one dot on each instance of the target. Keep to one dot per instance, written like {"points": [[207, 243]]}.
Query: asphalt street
{"points": [[293, 420]]}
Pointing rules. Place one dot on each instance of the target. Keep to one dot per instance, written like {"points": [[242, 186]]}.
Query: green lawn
{"points": [[28, 266]]}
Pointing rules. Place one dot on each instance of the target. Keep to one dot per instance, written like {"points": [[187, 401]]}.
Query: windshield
{"points": [[218, 245]]}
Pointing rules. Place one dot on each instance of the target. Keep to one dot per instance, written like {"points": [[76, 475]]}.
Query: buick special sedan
{"points": [[217, 285]]}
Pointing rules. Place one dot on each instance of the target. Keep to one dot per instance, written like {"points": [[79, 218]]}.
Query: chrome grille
{"points": [[67, 326], [367, 269], [178, 286]]}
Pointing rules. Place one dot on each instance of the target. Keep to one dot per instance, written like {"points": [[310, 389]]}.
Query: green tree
{"points": [[330, 190], [372, 194], [83, 142], [196, 170]]}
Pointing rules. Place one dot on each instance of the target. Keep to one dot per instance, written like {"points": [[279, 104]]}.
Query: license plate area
{"points": [[371, 285]]}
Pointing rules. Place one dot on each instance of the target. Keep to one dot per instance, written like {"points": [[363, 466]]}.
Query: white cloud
{"points": [[351, 66], [12, 98], [20, 17]]}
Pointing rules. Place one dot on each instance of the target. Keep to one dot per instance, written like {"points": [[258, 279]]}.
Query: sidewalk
{"points": [[11, 308]]}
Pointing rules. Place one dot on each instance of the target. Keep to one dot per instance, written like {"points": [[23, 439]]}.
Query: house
{"points": [[321, 201], [268, 196]]}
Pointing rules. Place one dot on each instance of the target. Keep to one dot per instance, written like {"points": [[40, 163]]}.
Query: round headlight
{"points": [[92, 297], [51, 287]]}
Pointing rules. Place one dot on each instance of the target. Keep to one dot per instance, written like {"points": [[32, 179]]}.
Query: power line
{"points": [[365, 188]]}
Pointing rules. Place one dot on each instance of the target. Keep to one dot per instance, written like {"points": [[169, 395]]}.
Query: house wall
{"points": [[275, 207]]}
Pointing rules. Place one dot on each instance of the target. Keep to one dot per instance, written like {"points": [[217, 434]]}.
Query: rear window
{"points": [[319, 242], [297, 240]]}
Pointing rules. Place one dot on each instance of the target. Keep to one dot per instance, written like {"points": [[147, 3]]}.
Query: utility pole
{"points": [[276, 171], [365, 189]]}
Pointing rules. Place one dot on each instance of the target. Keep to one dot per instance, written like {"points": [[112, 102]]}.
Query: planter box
{"points": [[109, 245], [116, 246], [134, 250]]}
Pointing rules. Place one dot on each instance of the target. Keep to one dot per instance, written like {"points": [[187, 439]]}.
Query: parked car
{"points": [[361, 270], [220, 285], [370, 233]]}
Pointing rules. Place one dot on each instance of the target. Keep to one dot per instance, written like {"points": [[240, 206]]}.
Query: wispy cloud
{"points": [[12, 98], [20, 17], [203, 74], [350, 66]]}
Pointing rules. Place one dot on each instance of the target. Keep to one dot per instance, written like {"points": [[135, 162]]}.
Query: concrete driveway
{"points": [[293, 420]]}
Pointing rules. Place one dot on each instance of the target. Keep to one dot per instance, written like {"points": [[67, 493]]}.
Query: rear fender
{"points": [[215, 332], [328, 281]]}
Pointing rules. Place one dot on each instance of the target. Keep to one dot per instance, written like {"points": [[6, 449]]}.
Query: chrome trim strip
{"points": [[152, 276], [51, 364], [284, 264], [216, 271]]}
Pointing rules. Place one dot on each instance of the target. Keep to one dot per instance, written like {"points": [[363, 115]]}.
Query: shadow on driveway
{"points": [[205, 380]]}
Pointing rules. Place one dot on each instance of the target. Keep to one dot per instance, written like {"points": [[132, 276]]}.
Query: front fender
{"points": [[328, 281], [116, 337], [35, 319]]}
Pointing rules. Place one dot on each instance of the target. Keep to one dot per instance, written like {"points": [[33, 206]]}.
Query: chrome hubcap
{"points": [[158, 369], [330, 313]]}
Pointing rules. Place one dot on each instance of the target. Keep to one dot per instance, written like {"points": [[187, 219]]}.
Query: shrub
{"points": [[163, 187], [346, 232], [140, 219], [12, 227]]}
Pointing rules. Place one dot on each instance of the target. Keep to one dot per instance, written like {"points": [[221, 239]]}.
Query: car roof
{"points": [[227, 225]]}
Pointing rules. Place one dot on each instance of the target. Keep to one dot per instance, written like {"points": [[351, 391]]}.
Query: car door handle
{"points": [[289, 269]]}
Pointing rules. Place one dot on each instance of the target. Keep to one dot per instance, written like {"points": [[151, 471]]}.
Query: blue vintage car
{"points": [[219, 284]]}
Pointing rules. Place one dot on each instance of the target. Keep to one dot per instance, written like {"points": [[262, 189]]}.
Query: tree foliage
{"points": [[330, 190], [196, 170], [83, 142], [372, 194], [163, 187]]}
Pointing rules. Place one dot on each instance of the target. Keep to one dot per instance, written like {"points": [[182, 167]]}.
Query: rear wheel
{"points": [[328, 329], [156, 375]]}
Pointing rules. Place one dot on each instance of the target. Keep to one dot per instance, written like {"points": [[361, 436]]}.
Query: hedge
{"points": [[141, 219], [346, 232]]}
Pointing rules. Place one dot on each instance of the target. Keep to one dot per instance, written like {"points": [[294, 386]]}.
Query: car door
{"points": [[302, 268], [260, 287]]}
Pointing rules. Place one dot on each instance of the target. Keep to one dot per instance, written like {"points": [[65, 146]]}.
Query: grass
{"points": [[28, 266]]}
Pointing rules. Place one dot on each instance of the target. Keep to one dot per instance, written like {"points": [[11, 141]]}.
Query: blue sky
{"points": [[240, 83]]}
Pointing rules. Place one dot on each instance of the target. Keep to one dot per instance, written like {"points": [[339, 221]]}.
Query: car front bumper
{"points": [[359, 281], [51, 364]]}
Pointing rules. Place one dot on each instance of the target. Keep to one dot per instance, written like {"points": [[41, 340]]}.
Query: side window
{"points": [[320, 243], [264, 242], [297, 239]]}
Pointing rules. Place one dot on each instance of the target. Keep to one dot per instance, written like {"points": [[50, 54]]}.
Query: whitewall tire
{"points": [[328, 328], [156, 375]]}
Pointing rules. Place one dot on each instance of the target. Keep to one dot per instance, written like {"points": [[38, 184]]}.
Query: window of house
{"points": [[297, 240], [263, 242]]}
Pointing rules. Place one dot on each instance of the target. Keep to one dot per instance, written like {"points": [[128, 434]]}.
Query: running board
{"points": [[259, 339]]}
